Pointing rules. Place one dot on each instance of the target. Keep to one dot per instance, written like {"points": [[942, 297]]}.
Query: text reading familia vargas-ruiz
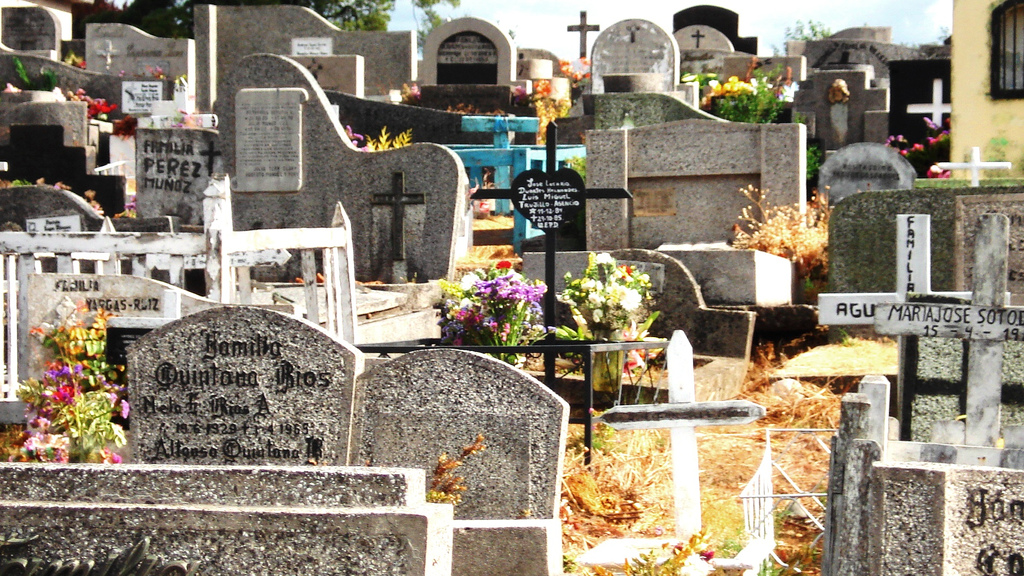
{"points": [[219, 407]]}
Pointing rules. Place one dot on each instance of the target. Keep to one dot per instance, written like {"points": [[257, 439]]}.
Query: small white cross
{"points": [[936, 108], [975, 165], [107, 52]]}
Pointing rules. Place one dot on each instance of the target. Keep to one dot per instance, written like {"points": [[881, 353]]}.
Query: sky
{"points": [[542, 23]]}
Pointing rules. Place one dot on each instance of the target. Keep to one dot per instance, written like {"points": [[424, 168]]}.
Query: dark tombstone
{"points": [[722, 19], [918, 89], [20, 204], [29, 28], [38, 152], [467, 58]]}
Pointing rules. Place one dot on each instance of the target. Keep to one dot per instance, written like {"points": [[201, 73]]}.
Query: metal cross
{"points": [[583, 28], [397, 199], [697, 35]]}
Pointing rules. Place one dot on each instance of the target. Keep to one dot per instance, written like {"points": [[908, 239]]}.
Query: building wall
{"points": [[996, 126]]}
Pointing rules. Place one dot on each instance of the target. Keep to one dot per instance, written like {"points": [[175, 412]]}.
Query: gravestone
{"points": [[22, 203], [126, 51], [635, 47], [30, 29], [583, 28], [173, 168], [225, 36], [222, 520], [773, 66], [852, 48], [457, 396], [233, 385], [332, 171], [36, 152], [842, 107], [468, 51], [73, 116], [680, 167], [337, 73], [864, 166], [508, 517], [968, 210], [918, 89], [942, 519], [722, 20]]}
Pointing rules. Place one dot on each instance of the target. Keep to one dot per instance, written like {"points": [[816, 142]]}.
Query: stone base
{"points": [[735, 277], [520, 547], [410, 326]]}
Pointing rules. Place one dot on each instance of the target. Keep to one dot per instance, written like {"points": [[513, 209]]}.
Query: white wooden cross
{"points": [[913, 275], [975, 165], [681, 415], [985, 322], [936, 108]]}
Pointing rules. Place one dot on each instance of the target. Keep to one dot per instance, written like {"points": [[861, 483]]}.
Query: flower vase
{"points": [[606, 371]]}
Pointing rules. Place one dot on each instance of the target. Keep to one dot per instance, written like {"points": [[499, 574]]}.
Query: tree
{"points": [[173, 18], [812, 30]]}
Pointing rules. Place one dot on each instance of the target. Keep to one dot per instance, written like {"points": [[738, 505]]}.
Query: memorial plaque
{"points": [[963, 321], [467, 58], [268, 139], [139, 97], [71, 223], [865, 166], [29, 28], [242, 385], [968, 209], [312, 46], [548, 201], [653, 202]]}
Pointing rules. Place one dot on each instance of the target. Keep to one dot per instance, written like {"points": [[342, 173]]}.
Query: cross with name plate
{"points": [[985, 322]]}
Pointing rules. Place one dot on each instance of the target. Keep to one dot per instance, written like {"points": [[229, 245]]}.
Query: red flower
{"points": [[503, 265]]}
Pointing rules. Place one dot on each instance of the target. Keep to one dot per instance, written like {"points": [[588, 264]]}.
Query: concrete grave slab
{"points": [[126, 51], [333, 171], [230, 386], [225, 35], [731, 277], [635, 46]]}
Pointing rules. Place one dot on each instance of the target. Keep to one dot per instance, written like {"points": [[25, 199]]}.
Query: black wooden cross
{"points": [[697, 35], [549, 200], [583, 28], [397, 199]]}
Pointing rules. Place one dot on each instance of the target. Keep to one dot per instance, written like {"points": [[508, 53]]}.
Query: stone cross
{"points": [[583, 28], [697, 36], [397, 199], [936, 108], [108, 52], [681, 415], [975, 165], [985, 322]]}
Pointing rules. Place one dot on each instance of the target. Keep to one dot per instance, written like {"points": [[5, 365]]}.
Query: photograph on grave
{"points": [[242, 385]]}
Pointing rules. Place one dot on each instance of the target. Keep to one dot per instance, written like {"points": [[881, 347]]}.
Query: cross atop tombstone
{"points": [[975, 165], [985, 322], [108, 52], [681, 415], [583, 28], [936, 108]]}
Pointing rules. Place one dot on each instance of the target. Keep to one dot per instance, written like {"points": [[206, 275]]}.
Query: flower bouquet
{"points": [[494, 307], [608, 303]]}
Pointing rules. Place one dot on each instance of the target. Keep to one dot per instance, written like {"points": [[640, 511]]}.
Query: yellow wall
{"points": [[996, 126]]}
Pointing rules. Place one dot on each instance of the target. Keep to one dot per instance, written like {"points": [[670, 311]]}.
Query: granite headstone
{"points": [[242, 385], [126, 51], [173, 168], [444, 399], [29, 28], [864, 166], [468, 51], [635, 47], [333, 171]]}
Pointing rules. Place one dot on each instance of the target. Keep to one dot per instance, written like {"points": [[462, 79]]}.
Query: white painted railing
{"points": [[226, 256]]}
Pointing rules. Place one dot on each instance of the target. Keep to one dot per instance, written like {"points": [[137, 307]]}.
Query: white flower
{"points": [[469, 281], [596, 298], [598, 314], [604, 258], [631, 300], [588, 284]]}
